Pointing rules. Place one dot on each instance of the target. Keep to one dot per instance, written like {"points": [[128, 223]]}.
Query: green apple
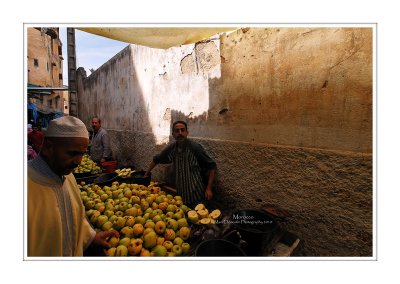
{"points": [[171, 208], [119, 213], [85, 199], [146, 216], [89, 212], [169, 215], [184, 208], [121, 250], [172, 224], [130, 221], [178, 241], [145, 252], [112, 218], [150, 240], [111, 251], [119, 223], [95, 215], [168, 245], [159, 250], [184, 233], [107, 226], [157, 218], [149, 199], [128, 193], [135, 246], [109, 206], [144, 204], [123, 206], [127, 232], [89, 204], [133, 211], [110, 201], [138, 229], [148, 230], [169, 235], [163, 206], [124, 199], [178, 215], [108, 213], [113, 241], [185, 248], [177, 250], [149, 224], [159, 227], [140, 220], [101, 220], [160, 240], [124, 241], [135, 199], [159, 199], [182, 222]]}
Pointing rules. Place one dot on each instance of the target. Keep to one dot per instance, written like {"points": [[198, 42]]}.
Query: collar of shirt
{"points": [[40, 165]]}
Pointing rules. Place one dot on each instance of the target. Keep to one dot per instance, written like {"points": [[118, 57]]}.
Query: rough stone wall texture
{"points": [[286, 113]]}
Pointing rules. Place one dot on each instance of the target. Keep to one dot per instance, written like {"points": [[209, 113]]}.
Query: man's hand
{"points": [[101, 238], [209, 193]]}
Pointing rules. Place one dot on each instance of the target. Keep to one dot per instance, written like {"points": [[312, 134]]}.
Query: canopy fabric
{"points": [[158, 37]]}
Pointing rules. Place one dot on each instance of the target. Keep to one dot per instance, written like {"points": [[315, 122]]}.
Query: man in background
{"points": [[100, 150], [194, 169], [35, 138]]}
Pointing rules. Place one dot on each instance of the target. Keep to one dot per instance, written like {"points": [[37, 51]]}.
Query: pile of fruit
{"points": [[87, 165], [150, 222], [200, 215], [125, 172]]}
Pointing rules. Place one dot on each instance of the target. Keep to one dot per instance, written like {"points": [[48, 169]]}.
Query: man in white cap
{"points": [[57, 225]]}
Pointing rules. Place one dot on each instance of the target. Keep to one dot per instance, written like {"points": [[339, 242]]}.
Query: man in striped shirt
{"points": [[194, 169]]}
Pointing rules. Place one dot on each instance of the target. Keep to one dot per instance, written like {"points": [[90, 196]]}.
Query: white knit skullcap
{"points": [[67, 126]]}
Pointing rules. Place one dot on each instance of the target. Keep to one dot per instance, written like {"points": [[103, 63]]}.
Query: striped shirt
{"points": [[189, 162]]}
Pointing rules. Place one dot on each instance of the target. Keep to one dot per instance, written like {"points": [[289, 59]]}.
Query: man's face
{"points": [[64, 154], [180, 132], [96, 124]]}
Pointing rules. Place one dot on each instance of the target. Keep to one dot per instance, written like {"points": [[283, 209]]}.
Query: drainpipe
{"points": [[72, 85]]}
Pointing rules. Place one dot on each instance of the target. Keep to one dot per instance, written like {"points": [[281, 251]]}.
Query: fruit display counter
{"points": [[87, 167], [150, 221], [153, 221]]}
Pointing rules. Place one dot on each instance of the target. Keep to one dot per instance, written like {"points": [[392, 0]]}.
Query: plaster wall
{"points": [[286, 114]]}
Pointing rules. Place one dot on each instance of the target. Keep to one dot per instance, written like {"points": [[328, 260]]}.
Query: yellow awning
{"points": [[158, 37]]}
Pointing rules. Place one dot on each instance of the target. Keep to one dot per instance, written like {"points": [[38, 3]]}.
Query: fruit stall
{"points": [[152, 220]]}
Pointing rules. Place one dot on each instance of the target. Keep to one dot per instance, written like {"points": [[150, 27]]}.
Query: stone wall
{"points": [[286, 113]]}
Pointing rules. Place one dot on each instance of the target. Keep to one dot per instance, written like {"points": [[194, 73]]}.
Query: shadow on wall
{"points": [[113, 94]]}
